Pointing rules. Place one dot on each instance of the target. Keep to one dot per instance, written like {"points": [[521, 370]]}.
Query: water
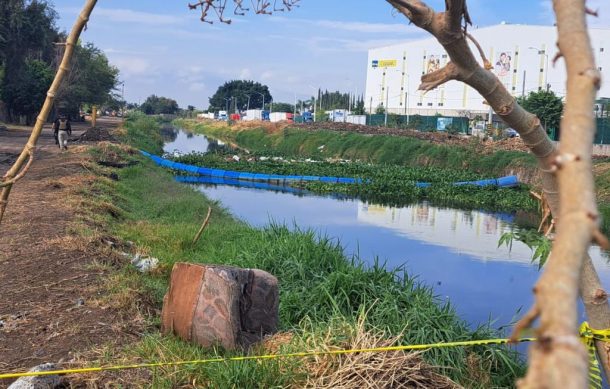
{"points": [[454, 251]]}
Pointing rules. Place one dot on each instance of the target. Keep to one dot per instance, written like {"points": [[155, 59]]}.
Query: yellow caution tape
{"points": [[264, 357], [588, 336]]}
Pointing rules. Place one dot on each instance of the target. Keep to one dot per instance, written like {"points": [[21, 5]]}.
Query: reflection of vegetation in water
{"points": [[385, 184], [537, 242], [169, 134]]}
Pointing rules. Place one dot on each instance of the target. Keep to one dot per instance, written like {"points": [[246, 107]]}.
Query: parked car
{"points": [[511, 133]]}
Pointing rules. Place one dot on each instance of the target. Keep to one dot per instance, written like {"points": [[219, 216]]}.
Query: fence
{"points": [[602, 137], [421, 123]]}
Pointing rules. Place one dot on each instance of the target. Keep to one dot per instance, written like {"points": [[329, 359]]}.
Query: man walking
{"points": [[62, 129]]}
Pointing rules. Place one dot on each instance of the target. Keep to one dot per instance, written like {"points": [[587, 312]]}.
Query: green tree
{"points": [[546, 105], [91, 81], [156, 105], [28, 92], [239, 91], [27, 33], [380, 110], [282, 107], [359, 109]]}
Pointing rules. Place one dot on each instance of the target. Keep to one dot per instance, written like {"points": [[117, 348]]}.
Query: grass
{"points": [[325, 297], [382, 149]]}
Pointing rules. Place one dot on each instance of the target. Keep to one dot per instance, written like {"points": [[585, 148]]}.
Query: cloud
{"points": [[354, 26], [132, 66], [368, 28], [122, 15], [245, 74], [197, 86]]}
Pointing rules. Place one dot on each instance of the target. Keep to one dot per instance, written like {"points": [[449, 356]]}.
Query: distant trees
{"points": [[155, 105], [546, 105], [338, 100], [235, 94], [282, 107], [27, 33]]}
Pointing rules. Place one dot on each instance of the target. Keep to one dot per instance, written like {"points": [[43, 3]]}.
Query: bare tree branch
{"points": [[438, 77], [259, 7]]}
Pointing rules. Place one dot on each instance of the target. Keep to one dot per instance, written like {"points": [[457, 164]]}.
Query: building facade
{"points": [[521, 55]]}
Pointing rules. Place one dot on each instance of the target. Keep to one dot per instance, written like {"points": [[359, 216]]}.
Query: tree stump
{"points": [[220, 305]]}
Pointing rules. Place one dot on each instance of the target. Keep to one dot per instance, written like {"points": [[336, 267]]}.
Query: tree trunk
{"points": [[447, 28]]}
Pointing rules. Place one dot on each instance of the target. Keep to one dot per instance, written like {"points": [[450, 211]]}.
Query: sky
{"points": [[161, 47]]}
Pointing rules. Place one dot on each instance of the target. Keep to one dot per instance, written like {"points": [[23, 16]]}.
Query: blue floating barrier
{"points": [[218, 173], [246, 176], [204, 171], [261, 177], [504, 182], [231, 174]]}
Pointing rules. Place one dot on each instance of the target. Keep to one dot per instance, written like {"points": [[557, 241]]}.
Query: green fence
{"points": [[602, 136], [421, 123]]}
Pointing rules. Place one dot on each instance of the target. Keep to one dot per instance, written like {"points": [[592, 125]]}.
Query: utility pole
{"points": [[387, 99], [523, 87]]}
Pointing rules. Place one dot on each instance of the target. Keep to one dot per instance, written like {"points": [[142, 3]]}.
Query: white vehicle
{"points": [[222, 115]]}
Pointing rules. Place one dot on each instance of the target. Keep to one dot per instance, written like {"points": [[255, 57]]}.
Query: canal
{"points": [[451, 250]]}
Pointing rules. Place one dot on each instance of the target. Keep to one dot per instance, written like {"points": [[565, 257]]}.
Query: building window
{"points": [[402, 88], [600, 68], [419, 104], [542, 70], [601, 50], [429, 104], [444, 56], [514, 88], [383, 88], [404, 58], [514, 70], [440, 104]]}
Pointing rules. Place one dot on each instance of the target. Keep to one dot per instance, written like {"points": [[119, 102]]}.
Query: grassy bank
{"points": [[326, 298], [381, 149]]}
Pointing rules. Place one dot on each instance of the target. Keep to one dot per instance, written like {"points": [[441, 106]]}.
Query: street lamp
{"points": [[248, 106], [314, 103], [228, 100], [122, 98], [546, 70]]}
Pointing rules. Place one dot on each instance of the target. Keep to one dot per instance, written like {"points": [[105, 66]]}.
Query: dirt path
{"points": [[50, 285]]}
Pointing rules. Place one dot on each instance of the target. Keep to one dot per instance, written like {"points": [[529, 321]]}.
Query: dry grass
{"points": [[393, 369]]}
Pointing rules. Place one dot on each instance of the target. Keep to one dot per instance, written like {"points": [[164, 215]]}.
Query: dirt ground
{"points": [[50, 284]]}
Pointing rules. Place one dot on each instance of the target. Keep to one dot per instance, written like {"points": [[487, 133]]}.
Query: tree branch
{"points": [[557, 290], [560, 340], [438, 77]]}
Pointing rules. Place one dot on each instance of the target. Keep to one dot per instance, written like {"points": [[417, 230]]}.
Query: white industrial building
{"points": [[522, 57]]}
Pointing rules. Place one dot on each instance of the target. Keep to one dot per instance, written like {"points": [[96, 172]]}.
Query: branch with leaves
{"points": [[558, 360]]}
